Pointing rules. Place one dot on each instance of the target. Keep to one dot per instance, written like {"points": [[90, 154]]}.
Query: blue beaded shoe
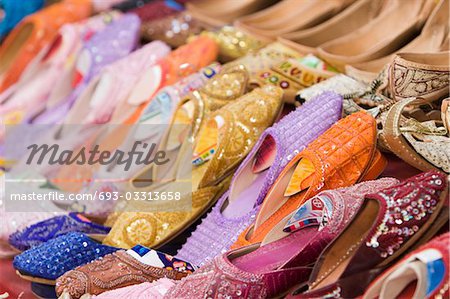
{"points": [[46, 262], [14, 11], [43, 231]]}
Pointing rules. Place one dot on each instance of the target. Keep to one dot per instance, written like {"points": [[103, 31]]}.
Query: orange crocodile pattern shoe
{"points": [[342, 156], [34, 33]]}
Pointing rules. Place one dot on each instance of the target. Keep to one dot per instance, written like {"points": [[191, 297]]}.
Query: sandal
{"points": [[237, 208], [120, 269], [260, 270], [402, 20], [210, 177], [34, 33], [288, 16], [328, 162], [421, 274], [381, 232]]}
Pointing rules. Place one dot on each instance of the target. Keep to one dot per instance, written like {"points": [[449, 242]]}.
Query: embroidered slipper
{"points": [[294, 74], [344, 155], [237, 208], [48, 229], [232, 140], [146, 290], [34, 33], [46, 262], [261, 271], [120, 269], [380, 231], [190, 113]]}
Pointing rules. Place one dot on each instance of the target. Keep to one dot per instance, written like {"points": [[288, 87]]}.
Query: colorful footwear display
{"points": [[237, 208], [224, 149]]}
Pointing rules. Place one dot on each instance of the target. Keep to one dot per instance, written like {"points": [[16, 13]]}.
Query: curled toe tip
{"points": [[72, 285]]}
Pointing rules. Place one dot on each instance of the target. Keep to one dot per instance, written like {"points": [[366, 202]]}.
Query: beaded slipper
{"points": [[427, 266], [388, 223], [237, 208], [14, 12], [211, 176], [224, 88], [266, 58], [343, 155], [48, 261], [283, 260], [120, 269], [43, 231], [294, 74], [34, 33]]}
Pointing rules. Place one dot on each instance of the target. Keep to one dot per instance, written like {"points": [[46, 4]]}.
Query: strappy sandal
{"points": [[343, 155], [288, 16], [422, 145], [229, 127], [388, 224]]}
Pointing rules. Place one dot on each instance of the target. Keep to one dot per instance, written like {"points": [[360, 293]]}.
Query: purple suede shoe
{"points": [[237, 208]]}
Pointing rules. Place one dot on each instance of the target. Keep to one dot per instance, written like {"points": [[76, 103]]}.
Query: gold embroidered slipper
{"points": [[224, 88], [222, 142]]}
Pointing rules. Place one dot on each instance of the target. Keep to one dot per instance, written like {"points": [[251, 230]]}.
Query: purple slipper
{"points": [[237, 208]]}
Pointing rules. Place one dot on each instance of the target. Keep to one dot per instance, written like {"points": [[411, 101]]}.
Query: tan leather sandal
{"points": [[380, 37]]}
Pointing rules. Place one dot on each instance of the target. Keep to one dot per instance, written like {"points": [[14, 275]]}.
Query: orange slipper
{"points": [[34, 33], [342, 156]]}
